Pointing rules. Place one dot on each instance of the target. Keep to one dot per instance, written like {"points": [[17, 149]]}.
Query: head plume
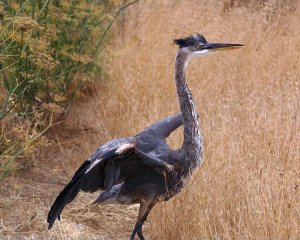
{"points": [[190, 40]]}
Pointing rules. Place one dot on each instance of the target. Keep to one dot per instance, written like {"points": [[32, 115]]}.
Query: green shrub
{"points": [[46, 56]]}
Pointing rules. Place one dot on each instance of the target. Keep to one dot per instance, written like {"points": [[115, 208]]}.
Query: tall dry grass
{"points": [[248, 101]]}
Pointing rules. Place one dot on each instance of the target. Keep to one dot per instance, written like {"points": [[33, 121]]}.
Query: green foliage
{"points": [[44, 44], [47, 49]]}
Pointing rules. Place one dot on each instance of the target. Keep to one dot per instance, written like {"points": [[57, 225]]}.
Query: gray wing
{"points": [[152, 139], [112, 163], [165, 127]]}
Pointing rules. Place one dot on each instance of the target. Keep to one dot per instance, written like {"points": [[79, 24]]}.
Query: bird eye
{"points": [[198, 46]]}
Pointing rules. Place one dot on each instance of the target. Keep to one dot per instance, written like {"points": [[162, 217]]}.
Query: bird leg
{"points": [[144, 211]]}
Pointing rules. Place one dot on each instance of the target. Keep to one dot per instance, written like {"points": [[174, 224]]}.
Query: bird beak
{"points": [[213, 47]]}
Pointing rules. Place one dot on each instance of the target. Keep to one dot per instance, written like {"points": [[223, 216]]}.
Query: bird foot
{"points": [[139, 232]]}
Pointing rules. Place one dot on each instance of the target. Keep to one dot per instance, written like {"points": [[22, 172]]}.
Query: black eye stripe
{"points": [[190, 41]]}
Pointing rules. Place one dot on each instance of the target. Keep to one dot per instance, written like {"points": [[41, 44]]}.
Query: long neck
{"points": [[192, 144]]}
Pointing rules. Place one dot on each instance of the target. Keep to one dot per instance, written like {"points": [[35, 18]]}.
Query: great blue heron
{"points": [[143, 169]]}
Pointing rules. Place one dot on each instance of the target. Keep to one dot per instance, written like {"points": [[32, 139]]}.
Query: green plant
{"points": [[47, 51]]}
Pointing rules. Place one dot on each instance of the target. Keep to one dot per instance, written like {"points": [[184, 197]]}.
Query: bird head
{"points": [[196, 45]]}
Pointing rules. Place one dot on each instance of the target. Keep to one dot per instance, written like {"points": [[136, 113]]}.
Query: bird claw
{"points": [[139, 232]]}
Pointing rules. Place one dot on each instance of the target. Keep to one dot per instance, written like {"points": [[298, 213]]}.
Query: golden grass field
{"points": [[248, 186]]}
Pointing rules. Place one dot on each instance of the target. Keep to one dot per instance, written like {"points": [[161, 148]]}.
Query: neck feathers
{"points": [[192, 144]]}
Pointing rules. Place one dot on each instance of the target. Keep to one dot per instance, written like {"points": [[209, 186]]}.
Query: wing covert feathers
{"points": [[89, 177]]}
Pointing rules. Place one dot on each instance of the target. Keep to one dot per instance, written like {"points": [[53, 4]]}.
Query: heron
{"points": [[143, 169]]}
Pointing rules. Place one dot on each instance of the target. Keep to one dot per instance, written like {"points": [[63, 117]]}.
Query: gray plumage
{"points": [[143, 169]]}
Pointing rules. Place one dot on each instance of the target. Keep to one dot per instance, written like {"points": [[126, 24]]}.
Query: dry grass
{"points": [[248, 101]]}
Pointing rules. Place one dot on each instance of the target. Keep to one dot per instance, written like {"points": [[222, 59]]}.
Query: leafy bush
{"points": [[46, 56]]}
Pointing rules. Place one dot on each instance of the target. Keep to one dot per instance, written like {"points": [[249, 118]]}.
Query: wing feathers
{"points": [[90, 177], [124, 147], [109, 176], [117, 173], [111, 164], [151, 161]]}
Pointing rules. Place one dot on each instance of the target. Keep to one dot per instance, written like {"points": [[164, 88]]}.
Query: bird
{"points": [[143, 169]]}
